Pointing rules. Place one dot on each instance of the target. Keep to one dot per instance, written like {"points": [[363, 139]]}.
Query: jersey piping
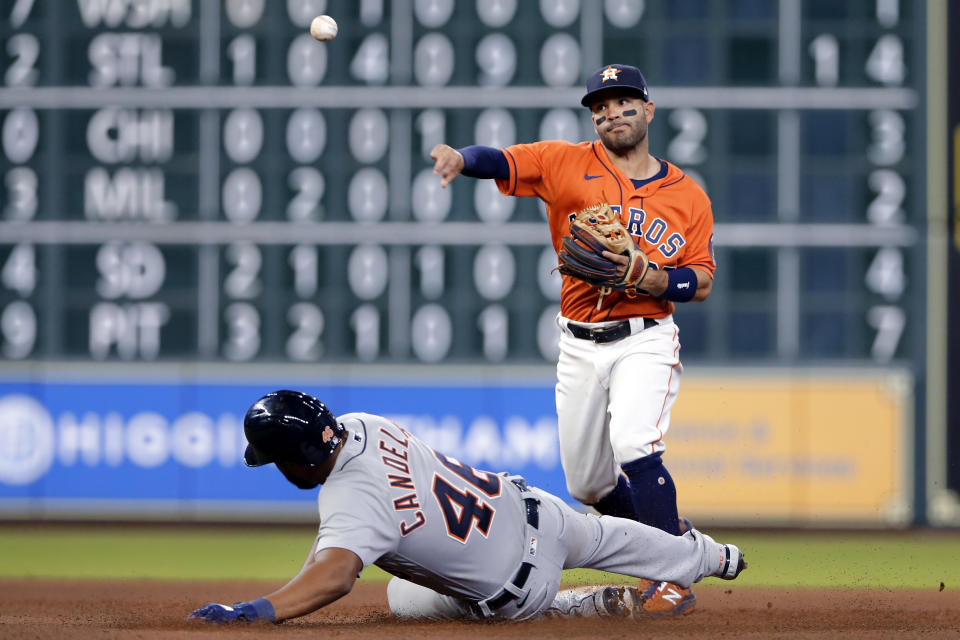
{"points": [[670, 184], [610, 171], [362, 449], [673, 368], [514, 175]]}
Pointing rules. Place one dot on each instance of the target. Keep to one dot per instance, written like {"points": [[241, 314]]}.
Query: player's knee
{"points": [[409, 600], [402, 599], [641, 442]]}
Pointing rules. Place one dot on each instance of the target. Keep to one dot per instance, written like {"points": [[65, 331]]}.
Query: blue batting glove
{"points": [[259, 609], [215, 613]]}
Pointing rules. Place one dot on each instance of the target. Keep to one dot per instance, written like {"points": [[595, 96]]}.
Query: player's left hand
{"points": [[601, 252], [259, 609], [622, 262], [216, 613]]}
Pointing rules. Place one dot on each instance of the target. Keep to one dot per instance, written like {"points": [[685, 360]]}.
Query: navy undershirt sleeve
{"points": [[484, 162]]}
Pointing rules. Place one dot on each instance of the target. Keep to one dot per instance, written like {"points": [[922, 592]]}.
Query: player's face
{"points": [[621, 121], [309, 476], [304, 476]]}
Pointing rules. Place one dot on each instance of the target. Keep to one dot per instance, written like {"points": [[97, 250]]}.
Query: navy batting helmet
{"points": [[289, 426]]}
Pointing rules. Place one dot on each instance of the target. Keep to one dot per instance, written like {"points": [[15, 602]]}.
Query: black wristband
{"points": [[681, 285]]}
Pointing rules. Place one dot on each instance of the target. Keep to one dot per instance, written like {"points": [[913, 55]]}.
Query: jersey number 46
{"points": [[464, 510]]}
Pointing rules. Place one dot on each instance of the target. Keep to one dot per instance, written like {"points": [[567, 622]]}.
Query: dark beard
{"points": [[627, 143], [298, 482]]}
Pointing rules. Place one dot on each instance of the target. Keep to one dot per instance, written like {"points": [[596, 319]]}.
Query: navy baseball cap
{"points": [[615, 76]]}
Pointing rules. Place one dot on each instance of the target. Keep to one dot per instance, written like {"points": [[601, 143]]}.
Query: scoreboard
{"points": [[202, 181]]}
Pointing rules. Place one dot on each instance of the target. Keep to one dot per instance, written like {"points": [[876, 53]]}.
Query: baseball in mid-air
{"points": [[324, 28]]}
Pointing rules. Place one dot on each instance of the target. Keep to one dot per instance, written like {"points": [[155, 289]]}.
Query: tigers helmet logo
{"points": [[327, 434], [609, 74]]}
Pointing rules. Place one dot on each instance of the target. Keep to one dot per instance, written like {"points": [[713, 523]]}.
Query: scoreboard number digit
{"points": [[18, 326], [304, 342], [19, 272], [25, 50], [21, 186], [243, 280], [885, 63], [365, 322], [20, 12], [826, 59], [21, 132], [243, 331], [242, 52]]}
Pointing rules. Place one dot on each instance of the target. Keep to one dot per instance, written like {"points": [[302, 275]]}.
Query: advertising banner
{"points": [[823, 450], [759, 448]]}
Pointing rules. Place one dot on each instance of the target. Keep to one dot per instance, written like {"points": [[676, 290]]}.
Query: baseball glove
{"points": [[592, 231]]}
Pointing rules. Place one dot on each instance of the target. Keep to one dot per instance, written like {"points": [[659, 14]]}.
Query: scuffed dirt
{"points": [[149, 610]]}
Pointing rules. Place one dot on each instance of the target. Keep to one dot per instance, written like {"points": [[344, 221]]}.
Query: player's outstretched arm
{"points": [[325, 576], [447, 163]]}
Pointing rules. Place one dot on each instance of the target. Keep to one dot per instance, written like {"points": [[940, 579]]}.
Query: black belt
{"points": [[518, 581], [607, 334], [532, 507]]}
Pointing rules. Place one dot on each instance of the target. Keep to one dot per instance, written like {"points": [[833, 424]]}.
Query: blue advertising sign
{"points": [[174, 449]]}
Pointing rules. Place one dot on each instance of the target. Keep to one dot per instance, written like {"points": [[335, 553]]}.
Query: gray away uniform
{"points": [[466, 543]]}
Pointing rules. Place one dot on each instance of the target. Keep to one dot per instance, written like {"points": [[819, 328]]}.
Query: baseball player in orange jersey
{"points": [[619, 367]]}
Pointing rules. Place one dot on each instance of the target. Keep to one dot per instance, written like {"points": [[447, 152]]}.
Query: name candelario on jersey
{"points": [[396, 460], [653, 232], [463, 510]]}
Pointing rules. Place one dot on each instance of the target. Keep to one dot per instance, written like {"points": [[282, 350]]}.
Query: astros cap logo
{"points": [[609, 74]]}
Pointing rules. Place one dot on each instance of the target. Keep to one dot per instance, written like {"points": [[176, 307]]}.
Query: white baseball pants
{"points": [[613, 402]]}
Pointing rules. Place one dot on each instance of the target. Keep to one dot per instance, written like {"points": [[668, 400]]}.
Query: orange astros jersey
{"points": [[670, 217]]}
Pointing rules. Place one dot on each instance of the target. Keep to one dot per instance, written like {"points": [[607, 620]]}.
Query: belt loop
{"points": [[639, 324], [521, 483]]}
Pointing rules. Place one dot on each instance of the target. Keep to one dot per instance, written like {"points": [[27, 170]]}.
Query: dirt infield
{"points": [[148, 610]]}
